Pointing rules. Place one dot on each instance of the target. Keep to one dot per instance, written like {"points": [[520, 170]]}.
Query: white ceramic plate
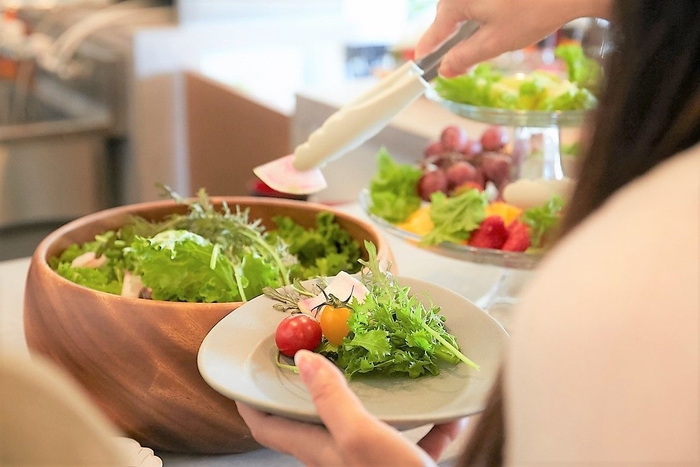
{"points": [[237, 358]]}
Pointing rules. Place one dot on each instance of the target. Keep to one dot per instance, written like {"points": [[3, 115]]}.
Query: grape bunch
{"points": [[456, 162]]}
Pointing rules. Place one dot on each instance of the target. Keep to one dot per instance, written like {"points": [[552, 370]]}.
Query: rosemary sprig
{"points": [[290, 296]]}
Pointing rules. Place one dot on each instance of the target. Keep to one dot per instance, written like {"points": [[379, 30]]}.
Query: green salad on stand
{"points": [[540, 90]]}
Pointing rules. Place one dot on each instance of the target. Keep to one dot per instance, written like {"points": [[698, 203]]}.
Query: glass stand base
{"points": [[499, 301], [536, 153]]}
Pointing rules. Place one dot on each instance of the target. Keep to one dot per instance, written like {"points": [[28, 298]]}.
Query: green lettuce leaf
{"points": [[393, 189], [543, 220], [583, 71], [473, 87], [324, 250], [455, 217], [179, 265], [103, 279]]}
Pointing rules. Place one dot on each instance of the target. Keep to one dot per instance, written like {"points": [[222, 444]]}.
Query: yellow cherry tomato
{"points": [[334, 323]]}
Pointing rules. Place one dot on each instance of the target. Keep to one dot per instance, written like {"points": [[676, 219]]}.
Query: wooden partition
{"points": [[228, 135]]}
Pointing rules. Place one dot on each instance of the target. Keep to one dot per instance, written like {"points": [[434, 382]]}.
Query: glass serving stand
{"points": [[536, 134], [536, 152]]}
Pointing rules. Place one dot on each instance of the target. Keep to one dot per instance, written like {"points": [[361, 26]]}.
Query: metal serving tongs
{"points": [[356, 122]]}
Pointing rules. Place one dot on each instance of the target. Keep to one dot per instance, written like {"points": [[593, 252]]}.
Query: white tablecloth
{"points": [[470, 280]]}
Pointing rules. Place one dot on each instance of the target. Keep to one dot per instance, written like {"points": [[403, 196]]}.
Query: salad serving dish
{"points": [[509, 117], [238, 359], [506, 259], [137, 358]]}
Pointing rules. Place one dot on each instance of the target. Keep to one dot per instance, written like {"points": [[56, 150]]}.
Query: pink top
{"points": [[604, 362]]}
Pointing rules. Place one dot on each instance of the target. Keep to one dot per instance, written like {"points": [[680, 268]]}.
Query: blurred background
{"points": [[102, 100]]}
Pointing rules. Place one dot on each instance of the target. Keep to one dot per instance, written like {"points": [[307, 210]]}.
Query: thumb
{"points": [[337, 406]]}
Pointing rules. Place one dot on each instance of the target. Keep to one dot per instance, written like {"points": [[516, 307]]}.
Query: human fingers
{"points": [[440, 437], [337, 406], [465, 54], [309, 443], [359, 438], [447, 20]]}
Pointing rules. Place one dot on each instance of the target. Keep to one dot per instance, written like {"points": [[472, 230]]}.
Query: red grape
{"points": [[454, 138], [434, 149], [442, 161], [461, 172], [480, 176], [472, 148], [494, 138], [430, 182], [497, 168]]}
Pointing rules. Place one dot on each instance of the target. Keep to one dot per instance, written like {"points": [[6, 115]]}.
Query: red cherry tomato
{"points": [[297, 332]]}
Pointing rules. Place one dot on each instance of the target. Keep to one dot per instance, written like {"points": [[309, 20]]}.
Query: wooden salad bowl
{"points": [[136, 358]]}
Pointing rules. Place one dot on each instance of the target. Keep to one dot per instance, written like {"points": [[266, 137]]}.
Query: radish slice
{"points": [[132, 285], [88, 260], [281, 175], [342, 286]]}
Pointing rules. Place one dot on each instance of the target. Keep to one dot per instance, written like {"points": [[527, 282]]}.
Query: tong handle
{"points": [[355, 123], [359, 120]]}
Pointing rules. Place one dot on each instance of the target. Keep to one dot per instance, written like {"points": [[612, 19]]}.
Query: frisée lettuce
{"points": [[391, 331]]}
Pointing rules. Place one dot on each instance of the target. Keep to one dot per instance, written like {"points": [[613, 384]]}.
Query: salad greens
{"points": [[323, 251], [541, 90], [391, 331], [393, 188], [455, 217], [543, 220], [582, 70], [209, 254]]}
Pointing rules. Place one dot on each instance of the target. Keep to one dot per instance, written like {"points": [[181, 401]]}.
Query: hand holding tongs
{"points": [[356, 122]]}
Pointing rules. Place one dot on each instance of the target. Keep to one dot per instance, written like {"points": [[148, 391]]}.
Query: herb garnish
{"points": [[391, 331]]}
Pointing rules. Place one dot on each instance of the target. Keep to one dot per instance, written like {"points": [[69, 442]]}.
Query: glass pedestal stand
{"points": [[536, 154], [500, 299], [536, 151]]}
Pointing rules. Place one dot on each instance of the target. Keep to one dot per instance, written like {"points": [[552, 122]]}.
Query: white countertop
{"points": [[470, 280]]}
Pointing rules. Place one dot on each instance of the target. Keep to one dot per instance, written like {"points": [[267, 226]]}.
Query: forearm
{"points": [[504, 25], [591, 8]]}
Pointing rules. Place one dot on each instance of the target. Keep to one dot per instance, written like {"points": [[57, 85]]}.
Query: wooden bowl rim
{"points": [[40, 260]]}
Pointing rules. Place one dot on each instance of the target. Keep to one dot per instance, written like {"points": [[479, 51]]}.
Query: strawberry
{"points": [[492, 233], [518, 237]]}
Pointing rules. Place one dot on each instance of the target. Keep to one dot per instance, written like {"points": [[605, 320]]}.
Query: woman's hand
{"points": [[505, 25], [351, 436]]}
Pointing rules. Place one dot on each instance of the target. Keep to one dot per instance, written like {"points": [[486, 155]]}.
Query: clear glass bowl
{"points": [[506, 259], [513, 118]]}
